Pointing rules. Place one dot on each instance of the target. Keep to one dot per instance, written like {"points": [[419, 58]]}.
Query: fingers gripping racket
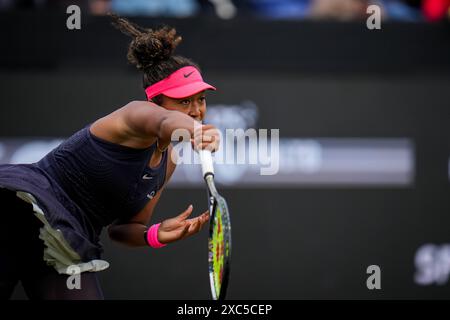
{"points": [[219, 240]]}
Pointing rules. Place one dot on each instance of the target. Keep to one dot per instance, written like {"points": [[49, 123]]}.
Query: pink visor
{"points": [[182, 83]]}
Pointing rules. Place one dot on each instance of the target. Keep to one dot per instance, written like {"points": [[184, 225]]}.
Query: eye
{"points": [[202, 99], [185, 102]]}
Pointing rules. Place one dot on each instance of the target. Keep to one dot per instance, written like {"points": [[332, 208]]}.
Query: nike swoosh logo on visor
{"points": [[187, 75]]}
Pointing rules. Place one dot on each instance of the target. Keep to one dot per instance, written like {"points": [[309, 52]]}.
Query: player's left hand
{"points": [[180, 227]]}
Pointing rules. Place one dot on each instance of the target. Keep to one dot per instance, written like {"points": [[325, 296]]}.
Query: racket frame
{"points": [[214, 198]]}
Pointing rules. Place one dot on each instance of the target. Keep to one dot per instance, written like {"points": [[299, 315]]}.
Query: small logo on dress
{"points": [[146, 177], [151, 195]]}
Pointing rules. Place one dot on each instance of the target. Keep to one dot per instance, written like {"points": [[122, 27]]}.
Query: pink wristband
{"points": [[152, 237]]}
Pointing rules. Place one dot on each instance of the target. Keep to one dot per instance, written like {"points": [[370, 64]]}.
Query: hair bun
{"points": [[149, 47]]}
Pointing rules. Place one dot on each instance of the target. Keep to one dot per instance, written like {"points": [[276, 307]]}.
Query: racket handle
{"points": [[207, 162]]}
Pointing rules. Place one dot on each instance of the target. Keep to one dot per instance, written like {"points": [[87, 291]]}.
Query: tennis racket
{"points": [[219, 240]]}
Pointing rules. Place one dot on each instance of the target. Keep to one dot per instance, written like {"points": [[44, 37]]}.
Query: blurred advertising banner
{"points": [[361, 162]]}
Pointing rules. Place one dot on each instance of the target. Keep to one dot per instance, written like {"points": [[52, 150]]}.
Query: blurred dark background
{"points": [[316, 73]]}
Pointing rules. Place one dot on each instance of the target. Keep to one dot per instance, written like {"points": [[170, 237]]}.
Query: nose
{"points": [[195, 110]]}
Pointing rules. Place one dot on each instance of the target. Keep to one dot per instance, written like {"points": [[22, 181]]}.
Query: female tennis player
{"points": [[110, 174]]}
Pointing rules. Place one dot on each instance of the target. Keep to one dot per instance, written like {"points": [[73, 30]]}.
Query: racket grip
{"points": [[207, 162]]}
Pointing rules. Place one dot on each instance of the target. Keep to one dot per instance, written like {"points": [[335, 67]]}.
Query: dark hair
{"points": [[151, 51]]}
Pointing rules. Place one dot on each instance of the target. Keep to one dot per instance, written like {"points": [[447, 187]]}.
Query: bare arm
{"points": [[140, 123]]}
